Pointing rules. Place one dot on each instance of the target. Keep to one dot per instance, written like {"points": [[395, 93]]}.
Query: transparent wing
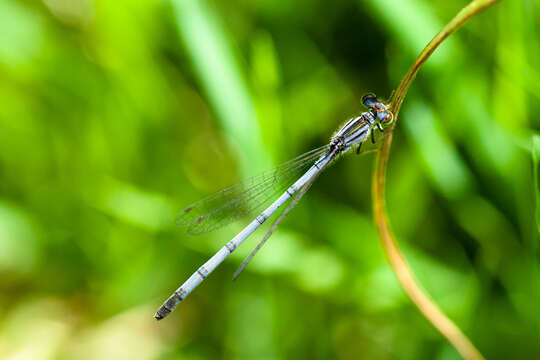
{"points": [[234, 202], [274, 226]]}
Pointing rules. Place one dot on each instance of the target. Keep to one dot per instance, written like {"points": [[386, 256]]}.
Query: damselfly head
{"points": [[370, 100], [378, 109]]}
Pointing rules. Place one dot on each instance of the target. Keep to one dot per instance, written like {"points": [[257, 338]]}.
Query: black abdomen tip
{"points": [[162, 313]]}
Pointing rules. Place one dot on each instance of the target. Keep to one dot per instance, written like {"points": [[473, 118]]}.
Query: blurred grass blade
{"points": [[22, 34], [412, 38], [535, 155], [442, 162], [220, 76]]}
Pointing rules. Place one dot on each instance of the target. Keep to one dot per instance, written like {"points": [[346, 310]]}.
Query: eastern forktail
{"points": [[233, 202]]}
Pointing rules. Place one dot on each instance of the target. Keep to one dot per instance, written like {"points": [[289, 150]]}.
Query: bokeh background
{"points": [[115, 115]]}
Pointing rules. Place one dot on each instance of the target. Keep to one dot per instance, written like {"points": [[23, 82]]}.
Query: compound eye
{"points": [[388, 119], [369, 100]]}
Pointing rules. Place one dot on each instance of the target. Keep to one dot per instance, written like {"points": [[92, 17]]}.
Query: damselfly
{"points": [[233, 202]]}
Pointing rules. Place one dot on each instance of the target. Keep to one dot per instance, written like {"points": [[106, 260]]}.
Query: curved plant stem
{"points": [[405, 276]]}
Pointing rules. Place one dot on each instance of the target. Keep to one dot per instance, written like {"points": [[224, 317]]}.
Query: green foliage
{"points": [[115, 115], [536, 184]]}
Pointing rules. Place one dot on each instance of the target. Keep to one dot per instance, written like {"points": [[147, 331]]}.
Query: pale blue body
{"points": [[355, 131]]}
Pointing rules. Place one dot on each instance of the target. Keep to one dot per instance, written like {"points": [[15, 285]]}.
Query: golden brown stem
{"points": [[405, 276]]}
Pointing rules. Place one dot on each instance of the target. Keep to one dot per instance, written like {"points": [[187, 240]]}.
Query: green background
{"points": [[115, 115]]}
